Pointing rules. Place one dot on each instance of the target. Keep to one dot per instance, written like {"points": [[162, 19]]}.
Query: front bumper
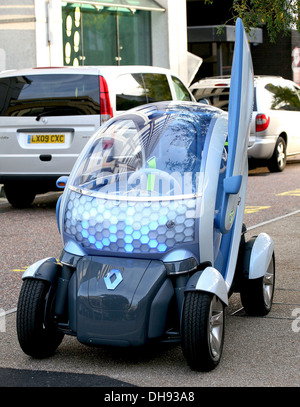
{"points": [[118, 302]]}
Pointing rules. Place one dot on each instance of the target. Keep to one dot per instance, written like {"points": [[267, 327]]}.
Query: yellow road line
{"points": [[20, 270], [255, 209], [295, 192]]}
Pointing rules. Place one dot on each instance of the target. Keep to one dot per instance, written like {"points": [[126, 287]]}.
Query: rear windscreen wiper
{"points": [[47, 113]]}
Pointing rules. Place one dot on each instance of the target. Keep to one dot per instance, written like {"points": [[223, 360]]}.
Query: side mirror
{"points": [[62, 182]]}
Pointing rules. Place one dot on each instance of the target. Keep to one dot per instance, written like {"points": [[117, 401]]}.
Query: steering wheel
{"points": [[143, 173]]}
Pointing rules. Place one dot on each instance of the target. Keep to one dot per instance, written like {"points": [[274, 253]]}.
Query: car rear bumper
{"points": [[38, 183], [261, 147]]}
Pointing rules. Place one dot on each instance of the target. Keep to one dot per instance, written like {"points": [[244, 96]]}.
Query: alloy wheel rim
{"points": [[268, 284], [216, 327], [280, 155]]}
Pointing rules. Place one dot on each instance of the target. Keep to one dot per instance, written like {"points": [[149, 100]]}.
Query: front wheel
{"points": [[37, 334], [203, 323]]}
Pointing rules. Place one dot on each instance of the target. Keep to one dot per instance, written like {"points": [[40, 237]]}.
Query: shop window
{"points": [[105, 36]]}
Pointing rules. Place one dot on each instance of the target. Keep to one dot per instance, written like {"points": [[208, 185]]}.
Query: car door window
{"points": [[130, 91], [157, 87], [283, 97], [138, 89], [297, 92], [180, 90]]}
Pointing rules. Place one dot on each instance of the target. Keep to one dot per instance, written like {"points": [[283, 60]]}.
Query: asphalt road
{"points": [[272, 195], [261, 352]]}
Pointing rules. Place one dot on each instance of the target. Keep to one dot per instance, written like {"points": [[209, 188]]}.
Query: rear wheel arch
{"points": [[284, 136]]}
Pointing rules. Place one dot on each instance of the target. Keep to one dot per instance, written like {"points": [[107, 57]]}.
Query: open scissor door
{"points": [[239, 118]]}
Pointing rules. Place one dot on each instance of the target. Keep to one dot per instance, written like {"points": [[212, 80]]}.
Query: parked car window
{"points": [[138, 89], [131, 91], [157, 87], [180, 89], [57, 95], [216, 96], [283, 97]]}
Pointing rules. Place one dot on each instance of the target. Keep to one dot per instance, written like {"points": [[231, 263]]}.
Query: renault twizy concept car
{"points": [[152, 224]]}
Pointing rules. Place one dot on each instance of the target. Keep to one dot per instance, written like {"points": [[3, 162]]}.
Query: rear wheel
{"points": [[257, 294], [203, 323], [277, 162], [19, 196], [36, 331]]}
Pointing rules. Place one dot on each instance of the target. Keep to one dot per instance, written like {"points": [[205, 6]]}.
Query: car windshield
{"points": [[147, 154]]}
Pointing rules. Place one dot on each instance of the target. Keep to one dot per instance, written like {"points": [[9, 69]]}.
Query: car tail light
{"points": [[262, 122], [105, 106]]}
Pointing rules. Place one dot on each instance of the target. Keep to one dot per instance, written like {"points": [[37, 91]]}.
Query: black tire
{"points": [[257, 294], [277, 162], [37, 334], [202, 330], [19, 196]]}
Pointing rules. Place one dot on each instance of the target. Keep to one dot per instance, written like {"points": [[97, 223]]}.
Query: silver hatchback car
{"points": [[47, 115], [274, 133]]}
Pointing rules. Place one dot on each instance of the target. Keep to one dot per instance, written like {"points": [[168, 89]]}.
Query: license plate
{"points": [[46, 139]]}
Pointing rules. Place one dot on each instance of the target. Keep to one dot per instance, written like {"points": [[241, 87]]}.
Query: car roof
{"points": [[106, 70], [211, 82], [224, 81]]}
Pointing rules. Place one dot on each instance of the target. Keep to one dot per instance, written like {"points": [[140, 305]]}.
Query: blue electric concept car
{"points": [[151, 220]]}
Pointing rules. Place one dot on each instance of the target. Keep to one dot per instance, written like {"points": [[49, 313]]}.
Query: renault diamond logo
{"points": [[113, 279]]}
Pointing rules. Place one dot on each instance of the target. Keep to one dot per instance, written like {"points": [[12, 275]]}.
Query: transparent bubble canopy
{"points": [[135, 188]]}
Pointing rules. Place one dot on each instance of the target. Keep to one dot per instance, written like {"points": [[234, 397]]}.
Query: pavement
{"points": [[258, 351]]}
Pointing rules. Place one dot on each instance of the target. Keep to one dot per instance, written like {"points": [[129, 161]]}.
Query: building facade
{"points": [[174, 34], [36, 33]]}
